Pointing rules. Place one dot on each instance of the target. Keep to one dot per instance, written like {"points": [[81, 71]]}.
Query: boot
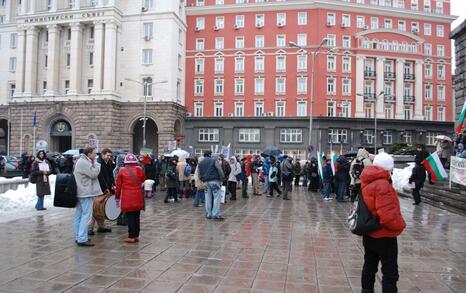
{"points": [[367, 290]]}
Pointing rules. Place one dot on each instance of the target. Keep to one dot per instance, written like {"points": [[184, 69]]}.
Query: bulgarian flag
{"points": [[460, 123], [333, 163], [320, 164], [435, 167]]}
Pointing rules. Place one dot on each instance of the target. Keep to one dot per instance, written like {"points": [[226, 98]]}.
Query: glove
{"points": [[118, 203]]}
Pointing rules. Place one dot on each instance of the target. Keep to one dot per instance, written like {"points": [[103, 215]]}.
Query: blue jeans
{"points": [[305, 181], [82, 217], [200, 195], [341, 190], [266, 183], [327, 189], [40, 202], [212, 192]]}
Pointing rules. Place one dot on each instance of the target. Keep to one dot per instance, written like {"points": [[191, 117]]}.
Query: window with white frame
{"points": [[260, 20], [219, 22], [337, 136], [346, 42], [281, 19], [430, 138], [199, 65], [331, 40], [368, 135], [439, 7], [239, 86], [346, 20], [198, 2], [440, 30], [427, 7], [331, 86], [249, 135], [219, 43], [331, 63], [360, 21], [280, 85], [346, 64], [200, 23], [402, 25], [12, 64], [369, 110], [387, 137], [147, 86], [388, 23], [408, 112], [427, 29], [302, 85], [440, 50], [148, 30], [281, 40], [259, 41], [219, 86], [13, 40], [67, 86], [414, 27], [280, 108], [199, 44], [219, 65], [331, 19], [280, 63], [11, 89], [428, 91], [291, 135], [428, 113], [408, 137], [239, 64], [209, 135], [239, 109], [345, 109], [428, 70], [428, 49], [301, 108], [259, 109], [346, 87], [239, 21], [218, 109], [414, 5], [239, 42], [374, 23], [441, 71], [302, 40], [198, 109], [259, 64], [199, 87], [441, 93], [302, 62], [388, 111], [259, 86], [331, 109], [302, 18]]}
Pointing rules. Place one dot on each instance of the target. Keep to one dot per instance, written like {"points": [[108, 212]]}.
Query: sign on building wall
{"points": [[171, 145], [458, 171], [94, 143]]}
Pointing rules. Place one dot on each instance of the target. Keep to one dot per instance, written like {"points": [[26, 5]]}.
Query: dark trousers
{"points": [[171, 192], [133, 224], [417, 193], [286, 187], [274, 186], [296, 180], [231, 186], [384, 250], [244, 186], [341, 190], [355, 191]]}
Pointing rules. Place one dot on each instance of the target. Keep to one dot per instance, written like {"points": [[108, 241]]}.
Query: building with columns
{"points": [[384, 60], [85, 67]]}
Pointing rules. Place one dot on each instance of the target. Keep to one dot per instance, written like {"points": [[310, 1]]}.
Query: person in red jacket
{"points": [[381, 245], [129, 191]]}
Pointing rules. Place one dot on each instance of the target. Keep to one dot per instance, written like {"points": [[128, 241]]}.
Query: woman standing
{"points": [[41, 170], [129, 192], [232, 177]]}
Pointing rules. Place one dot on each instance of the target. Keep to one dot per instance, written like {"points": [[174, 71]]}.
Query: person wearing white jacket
{"points": [[232, 179]]}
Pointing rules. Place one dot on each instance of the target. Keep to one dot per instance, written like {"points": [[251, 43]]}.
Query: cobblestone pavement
{"points": [[265, 245]]}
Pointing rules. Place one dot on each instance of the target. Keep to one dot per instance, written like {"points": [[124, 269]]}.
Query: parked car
{"points": [[12, 167]]}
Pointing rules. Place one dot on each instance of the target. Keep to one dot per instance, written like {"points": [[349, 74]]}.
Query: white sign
{"points": [[94, 143], [458, 170], [44, 167], [42, 145], [171, 145]]}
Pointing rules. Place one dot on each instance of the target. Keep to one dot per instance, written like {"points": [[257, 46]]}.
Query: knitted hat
{"points": [[131, 159], [385, 161]]}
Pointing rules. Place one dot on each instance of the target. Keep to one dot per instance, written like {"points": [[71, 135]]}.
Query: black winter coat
{"points": [[106, 179], [418, 176], [342, 173], [421, 156]]}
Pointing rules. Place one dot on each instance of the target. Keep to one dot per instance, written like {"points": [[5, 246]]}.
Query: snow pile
{"points": [[24, 198], [400, 177]]}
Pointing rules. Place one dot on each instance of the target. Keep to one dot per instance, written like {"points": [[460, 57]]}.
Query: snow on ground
{"points": [[21, 202], [400, 177]]}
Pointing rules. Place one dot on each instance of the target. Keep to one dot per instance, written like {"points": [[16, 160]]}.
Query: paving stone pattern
{"points": [[265, 245]]}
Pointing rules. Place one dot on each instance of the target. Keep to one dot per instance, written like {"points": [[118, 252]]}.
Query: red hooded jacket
{"points": [[382, 201], [129, 188]]}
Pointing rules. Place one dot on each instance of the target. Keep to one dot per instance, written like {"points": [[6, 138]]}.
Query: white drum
{"points": [[111, 210]]}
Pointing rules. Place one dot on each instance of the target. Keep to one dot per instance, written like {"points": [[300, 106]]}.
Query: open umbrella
{"points": [[271, 151], [180, 153], [443, 137], [72, 152]]}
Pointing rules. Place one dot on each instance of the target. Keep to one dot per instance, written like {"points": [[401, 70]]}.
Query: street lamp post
{"points": [[375, 117], [313, 55], [145, 87]]}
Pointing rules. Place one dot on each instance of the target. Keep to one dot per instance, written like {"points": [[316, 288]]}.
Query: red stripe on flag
{"points": [[430, 170]]}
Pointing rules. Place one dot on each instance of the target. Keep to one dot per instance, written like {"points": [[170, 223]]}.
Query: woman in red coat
{"points": [[129, 192], [381, 245]]}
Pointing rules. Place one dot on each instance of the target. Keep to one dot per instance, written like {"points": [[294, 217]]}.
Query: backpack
{"points": [[187, 170], [65, 191], [360, 220], [357, 170]]}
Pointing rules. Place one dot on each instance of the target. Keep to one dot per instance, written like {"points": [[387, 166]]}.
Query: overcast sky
{"points": [[458, 8]]}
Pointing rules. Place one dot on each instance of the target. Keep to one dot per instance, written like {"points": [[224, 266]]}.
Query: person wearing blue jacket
{"points": [[265, 170], [328, 179], [273, 177]]}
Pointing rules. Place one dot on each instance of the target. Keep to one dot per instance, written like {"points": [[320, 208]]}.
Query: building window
{"points": [[408, 137], [374, 23], [239, 86], [408, 112], [219, 43], [280, 62], [428, 49], [440, 31], [200, 23], [260, 41], [208, 135], [239, 109], [331, 109], [301, 108], [199, 65], [430, 138], [337, 136], [12, 64], [199, 87], [387, 137], [281, 40], [331, 19], [259, 86], [218, 109], [68, 34], [280, 85], [441, 72], [428, 92], [281, 19], [441, 114], [239, 42], [440, 50], [219, 65], [44, 87], [239, 21], [199, 109], [346, 42], [12, 89], [219, 87], [427, 29], [388, 110], [331, 88], [13, 40], [345, 109], [346, 87], [199, 44], [368, 136], [91, 58], [147, 56], [360, 22], [219, 22], [90, 85], [280, 108], [302, 40], [259, 64], [369, 110], [428, 113], [331, 63], [402, 25], [302, 18], [291, 135], [68, 59], [302, 62], [249, 135], [260, 20], [428, 71], [331, 40], [67, 86], [346, 64], [259, 109], [302, 85], [148, 30], [441, 93], [388, 23]]}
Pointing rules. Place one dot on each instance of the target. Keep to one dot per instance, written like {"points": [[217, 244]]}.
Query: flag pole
{"points": [[34, 122], [21, 133]]}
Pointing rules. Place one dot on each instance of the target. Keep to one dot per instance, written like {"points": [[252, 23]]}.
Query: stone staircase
{"points": [[440, 195]]}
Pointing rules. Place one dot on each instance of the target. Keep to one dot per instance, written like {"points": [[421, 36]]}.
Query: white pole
{"points": [[8, 132], [33, 140], [21, 134]]}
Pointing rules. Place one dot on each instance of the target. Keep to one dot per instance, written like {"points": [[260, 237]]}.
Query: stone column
{"points": [[399, 112], [54, 6], [32, 6], [8, 14], [359, 86], [23, 7], [76, 5], [20, 55], [76, 59], [380, 88], [110, 56], [53, 53], [419, 97], [100, 3], [98, 56], [30, 76]]}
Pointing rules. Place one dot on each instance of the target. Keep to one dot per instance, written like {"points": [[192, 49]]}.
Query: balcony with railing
{"points": [[369, 73], [388, 98], [409, 76], [409, 99], [389, 75], [369, 97]]}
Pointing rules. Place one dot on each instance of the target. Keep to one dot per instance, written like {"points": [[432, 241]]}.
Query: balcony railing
{"points": [[369, 73], [369, 97], [409, 76], [389, 75], [409, 99], [389, 98]]}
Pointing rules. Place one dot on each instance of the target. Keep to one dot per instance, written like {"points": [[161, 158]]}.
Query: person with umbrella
{"points": [[256, 166]]}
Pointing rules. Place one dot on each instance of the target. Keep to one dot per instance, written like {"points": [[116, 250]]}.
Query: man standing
{"points": [[286, 168], [107, 184], [226, 171], [328, 179], [297, 170], [162, 170], [255, 170], [86, 173], [246, 169], [183, 176], [211, 173]]}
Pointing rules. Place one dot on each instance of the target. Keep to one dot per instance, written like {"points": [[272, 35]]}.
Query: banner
{"points": [[458, 170], [171, 145], [226, 151]]}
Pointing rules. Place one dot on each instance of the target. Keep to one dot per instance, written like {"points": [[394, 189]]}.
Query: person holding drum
{"points": [[86, 173], [129, 192]]}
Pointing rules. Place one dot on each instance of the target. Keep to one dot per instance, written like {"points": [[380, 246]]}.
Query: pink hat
{"points": [[131, 159]]}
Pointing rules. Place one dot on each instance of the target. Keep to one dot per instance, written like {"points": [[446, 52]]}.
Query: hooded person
{"points": [[235, 171], [171, 178], [256, 166], [342, 176], [286, 168], [418, 177], [461, 152], [273, 177], [246, 170], [381, 245], [41, 170], [313, 175]]}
